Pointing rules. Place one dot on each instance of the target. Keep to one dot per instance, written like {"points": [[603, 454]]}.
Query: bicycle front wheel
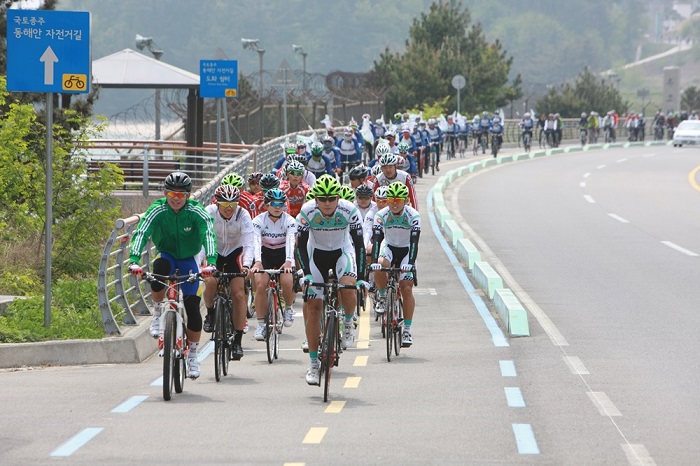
{"points": [[390, 320], [168, 355], [180, 371], [328, 355], [250, 311], [271, 327], [398, 334]]}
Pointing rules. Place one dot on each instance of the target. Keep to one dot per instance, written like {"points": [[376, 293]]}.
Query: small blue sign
{"points": [[218, 78], [48, 51]]}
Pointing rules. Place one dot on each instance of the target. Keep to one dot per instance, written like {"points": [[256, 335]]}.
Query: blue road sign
{"points": [[218, 78], [48, 51]]}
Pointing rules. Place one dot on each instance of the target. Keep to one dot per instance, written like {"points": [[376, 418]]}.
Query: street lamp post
{"points": [[147, 42], [300, 50], [254, 44]]}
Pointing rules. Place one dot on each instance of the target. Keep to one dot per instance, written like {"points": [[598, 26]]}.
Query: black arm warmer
{"points": [[358, 241], [413, 247], [303, 252], [377, 238]]}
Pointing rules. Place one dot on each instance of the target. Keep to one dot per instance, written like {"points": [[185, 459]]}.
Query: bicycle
{"points": [[527, 140], [476, 142], [495, 144], [584, 136], [450, 143], [330, 338], [273, 318], [250, 298], [433, 156], [173, 324], [223, 325]]}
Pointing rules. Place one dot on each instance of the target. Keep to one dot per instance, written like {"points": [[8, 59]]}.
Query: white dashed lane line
{"points": [[618, 218], [679, 249]]}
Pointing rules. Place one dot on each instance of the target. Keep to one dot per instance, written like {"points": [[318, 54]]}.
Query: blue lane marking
{"points": [[202, 353], [496, 334], [514, 397], [129, 404], [507, 369], [80, 439], [525, 439]]}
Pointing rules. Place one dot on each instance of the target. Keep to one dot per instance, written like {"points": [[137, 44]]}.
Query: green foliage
{"points": [[431, 110], [690, 99], [74, 314], [588, 93], [442, 44], [83, 206], [19, 282]]}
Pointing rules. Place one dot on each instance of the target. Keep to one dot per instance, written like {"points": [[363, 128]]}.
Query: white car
{"points": [[687, 132]]}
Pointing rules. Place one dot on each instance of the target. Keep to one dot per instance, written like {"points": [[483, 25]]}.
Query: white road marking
{"points": [[582, 184], [679, 249], [129, 404], [575, 365], [586, 175], [589, 198], [507, 369], [637, 454], [604, 404], [514, 397], [77, 441], [525, 439], [600, 167], [618, 218], [621, 160]]}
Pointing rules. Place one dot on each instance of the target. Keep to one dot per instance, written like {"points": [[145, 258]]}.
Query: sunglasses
{"points": [[277, 204], [295, 172], [326, 199], [364, 198], [176, 194], [395, 199], [227, 204]]}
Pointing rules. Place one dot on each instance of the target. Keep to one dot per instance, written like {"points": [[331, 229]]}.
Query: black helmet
{"points": [[269, 181], [363, 190], [178, 181], [358, 172]]}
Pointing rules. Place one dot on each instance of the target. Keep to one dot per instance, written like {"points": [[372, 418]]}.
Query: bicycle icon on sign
{"points": [[74, 81]]}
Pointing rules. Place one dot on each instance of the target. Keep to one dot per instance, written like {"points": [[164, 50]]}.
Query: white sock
{"points": [[193, 349]]}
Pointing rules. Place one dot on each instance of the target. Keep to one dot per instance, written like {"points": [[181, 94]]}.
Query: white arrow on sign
{"points": [[49, 58]]}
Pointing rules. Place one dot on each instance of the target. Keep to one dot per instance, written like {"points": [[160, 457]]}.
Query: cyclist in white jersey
{"points": [[324, 225], [234, 245], [274, 235], [390, 173], [397, 231]]}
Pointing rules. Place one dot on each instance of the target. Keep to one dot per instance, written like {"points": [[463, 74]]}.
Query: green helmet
{"points": [[347, 193], [233, 179], [404, 147], [316, 148], [326, 185], [397, 189], [310, 195]]}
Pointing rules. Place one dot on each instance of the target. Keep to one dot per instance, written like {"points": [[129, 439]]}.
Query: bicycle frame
{"points": [[273, 317]]}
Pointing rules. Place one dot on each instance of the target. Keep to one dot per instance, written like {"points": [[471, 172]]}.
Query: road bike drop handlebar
{"points": [[398, 269], [275, 271], [166, 279], [335, 285]]}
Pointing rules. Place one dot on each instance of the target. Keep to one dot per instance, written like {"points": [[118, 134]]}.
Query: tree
{"points": [[83, 206], [441, 45], [588, 93], [690, 99]]}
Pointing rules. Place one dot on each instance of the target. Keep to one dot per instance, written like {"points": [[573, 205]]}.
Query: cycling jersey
{"points": [[319, 166], [280, 234], [234, 233], [349, 152], [333, 155], [434, 134], [295, 195], [318, 232], [259, 202], [403, 177], [181, 234], [367, 221], [527, 124], [392, 233], [247, 201]]}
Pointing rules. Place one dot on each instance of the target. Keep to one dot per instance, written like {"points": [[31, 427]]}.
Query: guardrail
{"points": [[121, 297]]}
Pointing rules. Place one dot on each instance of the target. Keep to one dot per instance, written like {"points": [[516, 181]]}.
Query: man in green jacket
{"points": [[179, 227]]}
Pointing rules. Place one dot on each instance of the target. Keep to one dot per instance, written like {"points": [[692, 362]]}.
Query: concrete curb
{"points": [[135, 346], [513, 314]]}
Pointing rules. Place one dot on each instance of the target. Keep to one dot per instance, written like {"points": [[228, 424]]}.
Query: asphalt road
{"points": [[462, 394]]}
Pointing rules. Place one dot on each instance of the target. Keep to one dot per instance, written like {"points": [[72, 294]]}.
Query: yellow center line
{"points": [[363, 327], [315, 435], [352, 382], [335, 407], [691, 179], [360, 361]]}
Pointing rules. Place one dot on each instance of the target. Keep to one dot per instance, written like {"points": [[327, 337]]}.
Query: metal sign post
{"points": [[458, 82], [48, 51]]}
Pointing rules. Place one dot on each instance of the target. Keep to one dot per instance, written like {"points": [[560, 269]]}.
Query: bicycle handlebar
{"points": [[274, 271], [154, 277], [218, 274]]}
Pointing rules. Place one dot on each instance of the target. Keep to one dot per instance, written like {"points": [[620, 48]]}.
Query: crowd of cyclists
{"points": [[320, 208]]}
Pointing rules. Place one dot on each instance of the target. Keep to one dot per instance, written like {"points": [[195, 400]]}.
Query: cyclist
{"points": [[274, 236], [352, 124], [435, 139], [464, 130], [593, 124], [350, 152], [373, 173], [308, 177], [267, 181], [484, 125], [408, 139], [404, 151], [294, 187], [358, 176], [246, 200], [324, 225], [391, 174], [550, 128], [583, 122], [496, 132], [254, 182], [396, 232], [541, 123], [609, 125], [318, 162], [234, 244], [289, 150], [560, 128], [367, 208], [451, 133], [527, 124], [419, 137], [179, 227]]}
